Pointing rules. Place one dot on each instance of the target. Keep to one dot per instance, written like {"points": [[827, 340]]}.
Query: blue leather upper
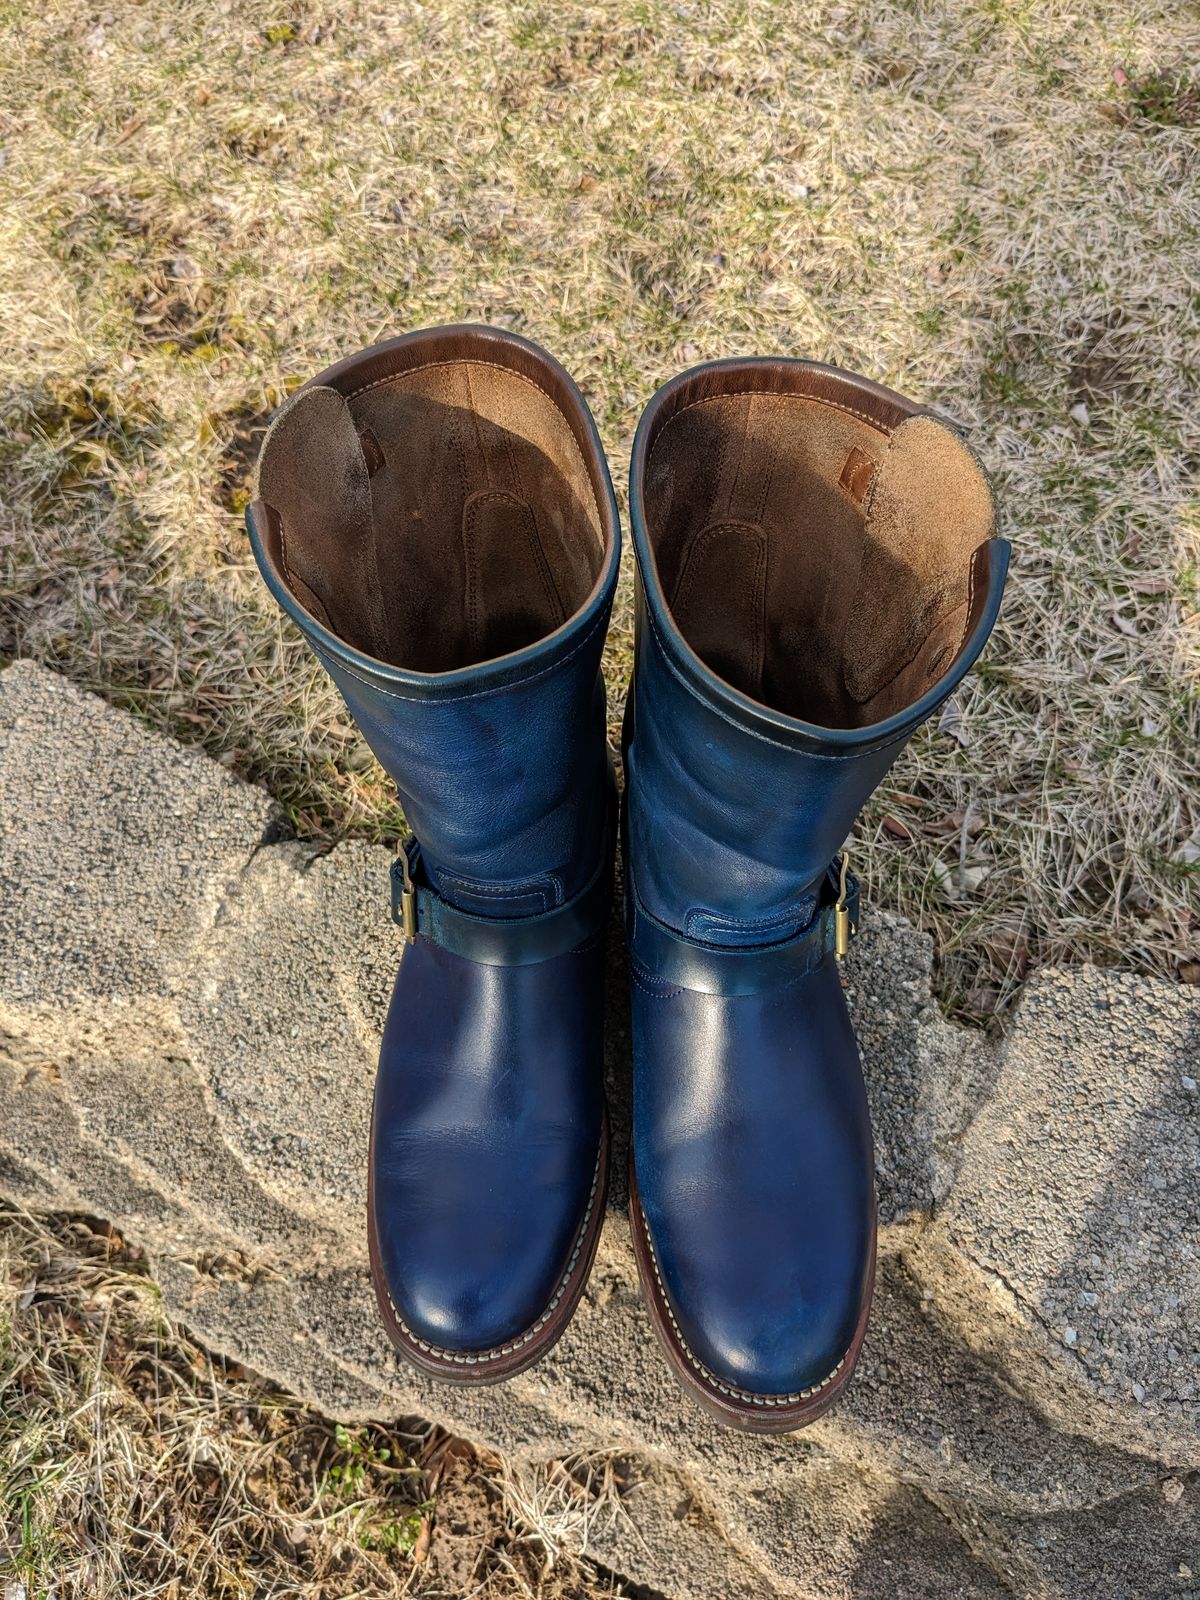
{"points": [[753, 1154], [488, 1108], [752, 1143], [489, 1102], [421, 912], [506, 787]]}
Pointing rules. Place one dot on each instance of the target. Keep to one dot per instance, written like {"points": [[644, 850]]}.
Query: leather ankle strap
{"points": [[422, 913], [732, 969]]}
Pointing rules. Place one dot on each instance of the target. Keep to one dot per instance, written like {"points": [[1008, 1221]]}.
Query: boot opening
{"points": [[439, 501], [815, 537]]}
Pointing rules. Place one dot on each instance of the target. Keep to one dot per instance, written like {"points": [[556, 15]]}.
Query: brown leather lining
{"points": [[438, 501], [843, 594]]}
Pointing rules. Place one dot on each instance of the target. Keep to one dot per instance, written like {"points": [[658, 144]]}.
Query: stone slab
{"points": [[189, 1014]]}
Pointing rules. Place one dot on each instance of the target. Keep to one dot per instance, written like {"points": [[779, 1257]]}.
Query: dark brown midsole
{"points": [[735, 1413], [479, 1367]]}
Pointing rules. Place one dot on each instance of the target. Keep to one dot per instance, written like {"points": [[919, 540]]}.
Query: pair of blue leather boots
{"points": [[816, 572]]}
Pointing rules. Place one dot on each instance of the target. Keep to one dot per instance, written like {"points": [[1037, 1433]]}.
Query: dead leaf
{"points": [[1009, 955], [983, 999], [896, 828], [130, 128], [1125, 625], [420, 1549], [1189, 972], [1150, 585], [951, 825]]}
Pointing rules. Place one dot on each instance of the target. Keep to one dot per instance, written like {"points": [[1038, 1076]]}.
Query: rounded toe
{"points": [[467, 1285], [754, 1341]]}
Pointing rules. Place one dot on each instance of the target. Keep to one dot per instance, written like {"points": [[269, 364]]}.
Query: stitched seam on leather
{"points": [[655, 994], [464, 1359], [771, 394], [753, 733], [697, 915], [776, 988], [527, 888], [470, 886], [497, 366], [710, 1377], [698, 547], [474, 694]]}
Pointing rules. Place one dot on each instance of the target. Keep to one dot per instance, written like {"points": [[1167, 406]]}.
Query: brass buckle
{"points": [[408, 897], [843, 929]]}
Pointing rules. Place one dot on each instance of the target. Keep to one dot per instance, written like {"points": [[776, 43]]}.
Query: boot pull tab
{"points": [[843, 928]]}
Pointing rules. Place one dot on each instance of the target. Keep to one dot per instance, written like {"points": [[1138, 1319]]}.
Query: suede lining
{"points": [[441, 516], [815, 557]]}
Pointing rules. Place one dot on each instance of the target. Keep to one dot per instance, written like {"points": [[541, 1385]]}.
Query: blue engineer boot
{"points": [[436, 515], [817, 571]]}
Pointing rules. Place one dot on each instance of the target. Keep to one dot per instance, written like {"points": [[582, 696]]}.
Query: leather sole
{"points": [[474, 1368], [737, 1408]]}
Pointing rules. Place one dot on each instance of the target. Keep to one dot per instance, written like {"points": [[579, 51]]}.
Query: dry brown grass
{"points": [[132, 1464], [990, 205]]}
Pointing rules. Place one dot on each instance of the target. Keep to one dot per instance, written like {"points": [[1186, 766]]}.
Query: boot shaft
{"points": [[436, 515], [817, 571]]}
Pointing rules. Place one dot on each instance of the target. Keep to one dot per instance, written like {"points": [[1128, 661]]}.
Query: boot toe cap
{"points": [[476, 1260], [762, 1345]]}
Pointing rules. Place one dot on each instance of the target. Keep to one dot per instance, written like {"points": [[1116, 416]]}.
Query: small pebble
{"points": [[1069, 1337], [1139, 1392], [1172, 1491], [1188, 1083]]}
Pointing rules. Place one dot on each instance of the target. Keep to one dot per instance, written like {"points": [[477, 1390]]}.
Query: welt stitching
{"points": [[460, 1359], [474, 694], [709, 1376]]}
